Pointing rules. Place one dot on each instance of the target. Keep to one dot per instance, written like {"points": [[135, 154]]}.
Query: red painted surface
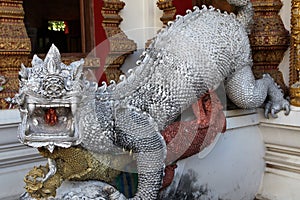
{"points": [[102, 44], [187, 138], [182, 6]]}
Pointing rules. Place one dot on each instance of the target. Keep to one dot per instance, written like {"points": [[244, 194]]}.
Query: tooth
{"points": [[31, 108], [27, 130], [50, 147], [35, 122], [72, 130], [73, 108], [66, 105]]}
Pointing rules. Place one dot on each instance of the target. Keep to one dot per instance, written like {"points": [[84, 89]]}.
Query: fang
{"points": [[74, 108], [31, 108]]}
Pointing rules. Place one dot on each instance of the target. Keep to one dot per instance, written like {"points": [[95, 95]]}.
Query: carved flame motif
{"points": [[51, 117]]}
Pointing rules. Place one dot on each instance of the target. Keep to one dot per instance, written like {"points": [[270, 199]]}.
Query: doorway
{"points": [[60, 22]]}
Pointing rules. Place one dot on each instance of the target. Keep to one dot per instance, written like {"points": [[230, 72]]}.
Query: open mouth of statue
{"points": [[50, 123]]}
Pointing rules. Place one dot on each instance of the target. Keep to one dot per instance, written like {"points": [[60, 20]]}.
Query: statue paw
{"points": [[274, 107], [113, 193]]}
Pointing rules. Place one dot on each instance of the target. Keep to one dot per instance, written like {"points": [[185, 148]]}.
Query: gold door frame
{"points": [[294, 82]]}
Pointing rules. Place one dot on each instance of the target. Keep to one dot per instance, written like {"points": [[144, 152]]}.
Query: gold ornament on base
{"points": [[73, 164]]}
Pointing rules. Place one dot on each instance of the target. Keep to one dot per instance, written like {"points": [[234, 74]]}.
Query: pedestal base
{"points": [[77, 190]]}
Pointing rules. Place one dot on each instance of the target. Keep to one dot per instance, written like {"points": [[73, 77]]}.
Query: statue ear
{"points": [[36, 61], [23, 73], [77, 68]]}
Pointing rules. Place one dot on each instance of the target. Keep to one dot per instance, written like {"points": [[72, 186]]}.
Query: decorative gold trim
{"points": [[3, 81], [295, 54], [269, 40], [120, 45], [168, 9], [15, 46]]}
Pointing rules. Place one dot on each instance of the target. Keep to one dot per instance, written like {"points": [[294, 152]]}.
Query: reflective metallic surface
{"points": [[190, 57]]}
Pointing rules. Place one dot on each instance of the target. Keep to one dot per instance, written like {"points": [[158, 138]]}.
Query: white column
{"points": [[285, 14], [140, 20]]}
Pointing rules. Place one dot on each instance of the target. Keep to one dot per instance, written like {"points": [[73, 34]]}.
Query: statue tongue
{"points": [[51, 117]]}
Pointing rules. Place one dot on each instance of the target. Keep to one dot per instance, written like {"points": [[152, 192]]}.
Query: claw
{"points": [[266, 114], [287, 109], [113, 193], [52, 170], [267, 110], [275, 107], [109, 189], [273, 113]]}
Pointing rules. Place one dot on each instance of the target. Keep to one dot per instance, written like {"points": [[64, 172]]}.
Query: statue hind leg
{"points": [[246, 92], [137, 133]]}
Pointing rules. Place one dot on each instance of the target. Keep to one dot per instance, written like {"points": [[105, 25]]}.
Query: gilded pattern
{"points": [[269, 40], [16, 28], [169, 10], [294, 54], [15, 47], [120, 45], [74, 163]]}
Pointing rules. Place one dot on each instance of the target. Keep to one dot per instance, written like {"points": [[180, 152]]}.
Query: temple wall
{"points": [[281, 137]]}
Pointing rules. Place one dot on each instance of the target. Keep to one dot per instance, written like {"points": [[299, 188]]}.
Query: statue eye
{"points": [[68, 84]]}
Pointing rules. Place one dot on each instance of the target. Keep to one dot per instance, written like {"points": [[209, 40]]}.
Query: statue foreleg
{"points": [[52, 169], [137, 132]]}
